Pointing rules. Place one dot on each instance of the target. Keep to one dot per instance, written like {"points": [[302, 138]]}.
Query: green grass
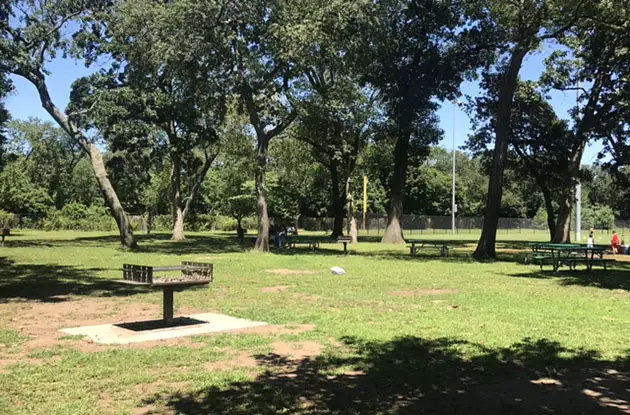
{"points": [[389, 343]]}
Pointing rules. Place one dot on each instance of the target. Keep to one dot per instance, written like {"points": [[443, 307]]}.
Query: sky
{"points": [[24, 102]]}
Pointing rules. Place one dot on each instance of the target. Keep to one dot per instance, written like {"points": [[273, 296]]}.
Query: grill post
{"points": [[168, 305]]}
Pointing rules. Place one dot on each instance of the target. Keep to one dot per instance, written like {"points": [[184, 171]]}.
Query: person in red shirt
{"points": [[615, 243]]}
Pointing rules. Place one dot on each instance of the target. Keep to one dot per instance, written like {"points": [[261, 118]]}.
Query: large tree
{"points": [[414, 52], [539, 140], [337, 121], [155, 83], [33, 33], [596, 63], [519, 28]]}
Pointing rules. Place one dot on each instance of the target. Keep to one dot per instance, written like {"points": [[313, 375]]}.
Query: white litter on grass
{"points": [[338, 271]]}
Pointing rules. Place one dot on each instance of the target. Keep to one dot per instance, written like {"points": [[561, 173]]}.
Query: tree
{"points": [[539, 140], [519, 28], [5, 88], [596, 63], [156, 84], [31, 34], [337, 121], [50, 156], [414, 52]]}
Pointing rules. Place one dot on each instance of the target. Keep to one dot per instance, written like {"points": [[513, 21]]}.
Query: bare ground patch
{"points": [[283, 271], [297, 350], [275, 329], [276, 289], [41, 321], [413, 293], [237, 360]]}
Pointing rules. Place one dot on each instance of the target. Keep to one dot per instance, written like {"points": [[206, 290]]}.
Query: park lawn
{"points": [[394, 335]]}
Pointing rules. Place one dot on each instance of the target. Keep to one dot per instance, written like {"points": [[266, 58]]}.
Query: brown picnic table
{"points": [[418, 244], [193, 274]]}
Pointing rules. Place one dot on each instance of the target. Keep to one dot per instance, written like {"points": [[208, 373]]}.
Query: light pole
{"points": [[453, 205]]}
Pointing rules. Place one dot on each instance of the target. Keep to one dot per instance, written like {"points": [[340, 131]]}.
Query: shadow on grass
{"points": [[617, 278], [411, 375], [50, 283], [155, 243]]}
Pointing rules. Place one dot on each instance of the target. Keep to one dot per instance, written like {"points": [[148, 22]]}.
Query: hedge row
{"points": [[75, 216]]}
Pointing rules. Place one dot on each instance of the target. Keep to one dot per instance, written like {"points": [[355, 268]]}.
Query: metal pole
{"points": [[578, 192], [453, 206], [578, 212]]}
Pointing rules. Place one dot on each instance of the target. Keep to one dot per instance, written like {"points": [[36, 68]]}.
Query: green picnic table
{"points": [[569, 254]]}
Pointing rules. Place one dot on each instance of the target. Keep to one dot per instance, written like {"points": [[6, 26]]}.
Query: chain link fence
{"points": [[375, 224]]}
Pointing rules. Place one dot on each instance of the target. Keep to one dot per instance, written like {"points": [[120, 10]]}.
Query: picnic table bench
{"points": [[293, 241], [345, 240], [558, 255], [193, 274], [418, 244]]}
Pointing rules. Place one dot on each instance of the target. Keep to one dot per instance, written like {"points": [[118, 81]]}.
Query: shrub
{"points": [[76, 216], [6, 219], [225, 223]]}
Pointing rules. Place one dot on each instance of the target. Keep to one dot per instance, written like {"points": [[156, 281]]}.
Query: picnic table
{"points": [[293, 241], [418, 244], [345, 240], [569, 254], [193, 274]]}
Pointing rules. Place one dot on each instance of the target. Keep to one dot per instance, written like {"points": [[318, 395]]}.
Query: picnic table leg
{"points": [[168, 306], [345, 248]]}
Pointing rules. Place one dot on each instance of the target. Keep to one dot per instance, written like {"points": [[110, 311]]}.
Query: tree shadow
{"points": [[411, 375], [617, 278], [51, 282], [155, 243]]}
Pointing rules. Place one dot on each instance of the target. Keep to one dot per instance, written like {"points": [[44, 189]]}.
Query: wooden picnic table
{"points": [[192, 275], [418, 244], [570, 254], [345, 240], [312, 243]]}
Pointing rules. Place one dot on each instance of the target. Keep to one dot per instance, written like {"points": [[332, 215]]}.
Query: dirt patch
{"points": [[297, 350], [41, 322], [421, 293], [239, 360], [276, 289], [290, 272], [278, 329]]}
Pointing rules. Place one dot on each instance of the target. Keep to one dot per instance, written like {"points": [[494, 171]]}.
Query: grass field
{"points": [[395, 335]]}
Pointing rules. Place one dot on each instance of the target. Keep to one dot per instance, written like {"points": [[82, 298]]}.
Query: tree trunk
{"points": [[338, 202], [393, 232], [239, 230], [178, 211], [122, 220], [551, 217], [352, 221], [262, 241], [562, 233], [127, 237], [486, 245]]}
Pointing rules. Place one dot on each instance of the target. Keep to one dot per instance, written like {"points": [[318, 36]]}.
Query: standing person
{"points": [[282, 234], [615, 243], [591, 239]]}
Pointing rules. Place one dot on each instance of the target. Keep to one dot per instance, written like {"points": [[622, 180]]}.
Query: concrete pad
{"points": [[197, 324]]}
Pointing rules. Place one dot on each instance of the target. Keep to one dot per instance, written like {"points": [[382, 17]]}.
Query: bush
{"points": [[599, 217], [225, 223], [76, 216], [6, 219], [162, 223]]}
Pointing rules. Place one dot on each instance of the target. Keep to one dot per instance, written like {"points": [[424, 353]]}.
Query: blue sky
{"points": [[24, 102]]}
